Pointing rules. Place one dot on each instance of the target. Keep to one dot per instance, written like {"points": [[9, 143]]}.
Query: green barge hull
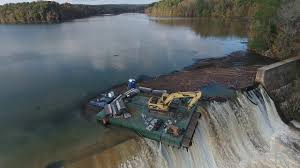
{"points": [[187, 121]]}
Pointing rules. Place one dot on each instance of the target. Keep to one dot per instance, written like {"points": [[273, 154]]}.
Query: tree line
{"points": [[53, 12], [274, 23]]}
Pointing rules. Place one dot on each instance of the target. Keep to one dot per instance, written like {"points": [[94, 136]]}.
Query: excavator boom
{"points": [[163, 103]]}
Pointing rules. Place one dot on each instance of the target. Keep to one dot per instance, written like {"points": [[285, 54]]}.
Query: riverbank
{"points": [[274, 23], [235, 71], [42, 12]]}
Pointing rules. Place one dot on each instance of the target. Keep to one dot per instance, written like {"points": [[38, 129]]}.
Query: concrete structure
{"points": [[279, 74], [111, 157], [280, 80]]}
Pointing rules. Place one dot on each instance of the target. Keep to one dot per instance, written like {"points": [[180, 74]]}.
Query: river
{"points": [[47, 71]]}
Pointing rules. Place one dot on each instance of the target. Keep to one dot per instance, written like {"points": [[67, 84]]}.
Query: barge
{"points": [[130, 110]]}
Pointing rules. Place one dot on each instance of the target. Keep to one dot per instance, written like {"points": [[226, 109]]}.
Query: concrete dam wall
{"points": [[282, 82], [279, 74]]}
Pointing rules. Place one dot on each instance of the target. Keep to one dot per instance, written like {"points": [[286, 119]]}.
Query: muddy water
{"points": [[47, 71], [243, 132]]}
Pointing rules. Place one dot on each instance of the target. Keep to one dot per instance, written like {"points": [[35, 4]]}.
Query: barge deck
{"points": [[137, 107]]}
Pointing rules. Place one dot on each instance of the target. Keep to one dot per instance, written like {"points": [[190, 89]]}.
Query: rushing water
{"points": [[243, 132], [46, 71]]}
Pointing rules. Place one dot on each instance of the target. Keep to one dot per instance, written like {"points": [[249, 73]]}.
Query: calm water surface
{"points": [[46, 71]]}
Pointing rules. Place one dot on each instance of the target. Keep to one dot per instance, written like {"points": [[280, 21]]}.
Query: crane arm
{"points": [[194, 95], [194, 99]]}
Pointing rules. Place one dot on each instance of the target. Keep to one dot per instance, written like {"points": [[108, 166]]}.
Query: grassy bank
{"points": [[274, 23]]}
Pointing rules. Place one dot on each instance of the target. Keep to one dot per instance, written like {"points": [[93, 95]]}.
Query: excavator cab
{"points": [[174, 105]]}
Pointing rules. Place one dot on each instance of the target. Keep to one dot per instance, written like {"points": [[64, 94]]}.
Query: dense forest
{"points": [[52, 12], [274, 23], [202, 8]]}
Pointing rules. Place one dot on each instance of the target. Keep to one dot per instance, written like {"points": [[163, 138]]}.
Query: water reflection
{"points": [[210, 27], [46, 71]]}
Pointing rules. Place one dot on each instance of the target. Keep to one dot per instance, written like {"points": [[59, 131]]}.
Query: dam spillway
{"points": [[243, 132]]}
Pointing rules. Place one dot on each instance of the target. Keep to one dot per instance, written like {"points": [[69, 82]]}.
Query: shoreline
{"points": [[239, 63], [235, 71], [51, 12]]}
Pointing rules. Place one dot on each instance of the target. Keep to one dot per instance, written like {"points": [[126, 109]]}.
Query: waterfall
{"points": [[243, 132]]}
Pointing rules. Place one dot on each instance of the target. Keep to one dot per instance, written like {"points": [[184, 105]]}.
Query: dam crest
{"points": [[245, 131]]}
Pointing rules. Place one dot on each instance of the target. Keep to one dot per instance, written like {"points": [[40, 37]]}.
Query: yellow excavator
{"points": [[167, 101]]}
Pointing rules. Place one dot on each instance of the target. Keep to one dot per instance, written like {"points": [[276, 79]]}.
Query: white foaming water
{"points": [[244, 132]]}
